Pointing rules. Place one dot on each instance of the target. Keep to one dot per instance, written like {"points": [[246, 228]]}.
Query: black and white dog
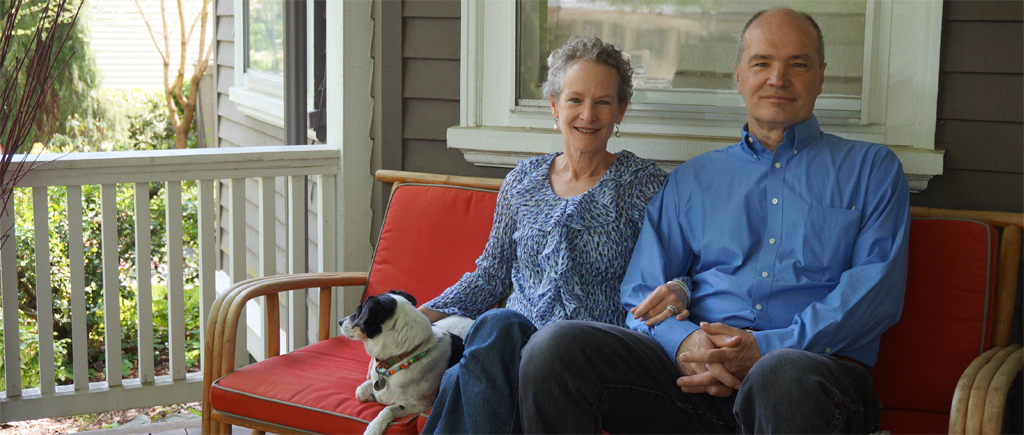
{"points": [[409, 354]]}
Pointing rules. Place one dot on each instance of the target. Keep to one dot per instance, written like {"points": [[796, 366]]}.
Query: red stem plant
{"points": [[25, 82]]}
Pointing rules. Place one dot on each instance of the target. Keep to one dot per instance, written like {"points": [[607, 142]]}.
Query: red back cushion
{"points": [[432, 235], [947, 315]]}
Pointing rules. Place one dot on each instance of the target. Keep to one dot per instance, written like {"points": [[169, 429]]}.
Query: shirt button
{"points": [[828, 350], [771, 241], [749, 140], [758, 306], [764, 274], [775, 200], [795, 151], [778, 165]]}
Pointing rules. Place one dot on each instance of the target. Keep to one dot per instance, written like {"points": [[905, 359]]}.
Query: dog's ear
{"points": [[403, 294]]}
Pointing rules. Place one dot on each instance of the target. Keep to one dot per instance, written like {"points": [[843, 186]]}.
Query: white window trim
{"points": [[259, 95], [900, 96]]}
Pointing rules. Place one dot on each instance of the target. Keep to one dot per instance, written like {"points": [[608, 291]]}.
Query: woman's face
{"points": [[588, 107]]}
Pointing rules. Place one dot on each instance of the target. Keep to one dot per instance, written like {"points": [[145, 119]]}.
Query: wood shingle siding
{"points": [[980, 109]]}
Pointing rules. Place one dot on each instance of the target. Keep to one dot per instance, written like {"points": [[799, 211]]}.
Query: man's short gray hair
{"points": [[817, 30], [589, 48]]}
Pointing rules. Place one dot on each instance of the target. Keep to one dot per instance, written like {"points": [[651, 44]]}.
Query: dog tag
{"points": [[380, 383]]}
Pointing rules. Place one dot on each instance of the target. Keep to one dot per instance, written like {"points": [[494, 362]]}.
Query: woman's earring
{"points": [[556, 124], [617, 134]]}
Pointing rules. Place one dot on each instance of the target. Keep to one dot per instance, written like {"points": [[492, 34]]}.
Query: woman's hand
{"points": [[655, 307]]}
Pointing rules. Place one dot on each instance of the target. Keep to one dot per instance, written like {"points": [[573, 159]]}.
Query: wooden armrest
{"points": [[995, 400], [962, 394], [222, 324], [390, 176], [979, 390]]}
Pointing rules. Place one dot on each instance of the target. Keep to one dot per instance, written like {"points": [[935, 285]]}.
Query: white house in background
{"points": [[124, 50]]}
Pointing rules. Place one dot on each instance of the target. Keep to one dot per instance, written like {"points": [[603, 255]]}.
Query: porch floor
{"points": [[181, 427]]}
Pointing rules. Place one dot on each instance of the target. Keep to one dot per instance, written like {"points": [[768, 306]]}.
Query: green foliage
{"points": [[130, 120], [145, 127], [74, 91]]}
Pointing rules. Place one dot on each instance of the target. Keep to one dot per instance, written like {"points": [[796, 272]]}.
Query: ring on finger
{"points": [[672, 308]]}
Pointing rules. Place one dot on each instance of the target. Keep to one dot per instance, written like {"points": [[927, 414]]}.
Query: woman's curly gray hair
{"points": [[589, 48]]}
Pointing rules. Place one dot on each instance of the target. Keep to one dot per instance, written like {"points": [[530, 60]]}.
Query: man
{"points": [[796, 242]]}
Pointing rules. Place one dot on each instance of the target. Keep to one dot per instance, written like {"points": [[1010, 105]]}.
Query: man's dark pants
{"points": [[584, 377]]}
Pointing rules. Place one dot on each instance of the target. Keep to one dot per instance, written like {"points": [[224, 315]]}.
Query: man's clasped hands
{"points": [[713, 359]]}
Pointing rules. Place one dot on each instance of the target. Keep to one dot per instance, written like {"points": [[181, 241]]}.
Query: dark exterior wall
{"points": [[419, 74], [981, 123], [430, 89], [980, 108]]}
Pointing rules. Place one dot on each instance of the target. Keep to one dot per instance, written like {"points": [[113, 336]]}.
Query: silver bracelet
{"points": [[682, 285]]}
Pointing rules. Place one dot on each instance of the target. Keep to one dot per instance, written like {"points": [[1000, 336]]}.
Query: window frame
{"points": [[260, 95], [898, 107]]}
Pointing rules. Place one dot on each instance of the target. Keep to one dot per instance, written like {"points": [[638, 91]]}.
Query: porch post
{"points": [[350, 109]]}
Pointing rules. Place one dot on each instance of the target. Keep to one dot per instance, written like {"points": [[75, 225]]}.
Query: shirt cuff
{"points": [[774, 339], [671, 333]]}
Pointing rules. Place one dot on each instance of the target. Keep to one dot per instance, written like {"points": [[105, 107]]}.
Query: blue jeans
{"points": [[583, 377], [479, 394]]}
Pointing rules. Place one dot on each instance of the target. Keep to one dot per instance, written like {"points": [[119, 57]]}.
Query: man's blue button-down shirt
{"points": [[807, 246]]}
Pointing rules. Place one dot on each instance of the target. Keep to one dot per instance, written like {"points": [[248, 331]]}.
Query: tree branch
{"points": [[150, 28]]}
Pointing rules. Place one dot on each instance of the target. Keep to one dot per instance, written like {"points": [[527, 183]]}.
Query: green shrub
{"points": [[143, 126]]}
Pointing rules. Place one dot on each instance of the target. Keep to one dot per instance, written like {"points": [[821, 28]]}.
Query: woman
{"points": [[564, 228]]}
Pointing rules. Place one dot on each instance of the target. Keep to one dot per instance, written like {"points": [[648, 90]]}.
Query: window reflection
{"points": [[682, 44]]}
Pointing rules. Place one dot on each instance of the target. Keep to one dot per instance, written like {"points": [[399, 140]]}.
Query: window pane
{"points": [[266, 27], [682, 44]]}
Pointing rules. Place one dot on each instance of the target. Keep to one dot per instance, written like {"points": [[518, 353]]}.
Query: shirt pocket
{"points": [[828, 239]]}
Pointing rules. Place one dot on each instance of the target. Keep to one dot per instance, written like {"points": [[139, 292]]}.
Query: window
{"points": [[881, 80], [259, 59], [683, 52]]}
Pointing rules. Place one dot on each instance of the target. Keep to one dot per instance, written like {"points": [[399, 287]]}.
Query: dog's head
{"points": [[388, 324]]}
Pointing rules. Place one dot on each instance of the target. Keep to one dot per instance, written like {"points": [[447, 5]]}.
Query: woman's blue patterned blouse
{"points": [[564, 257]]}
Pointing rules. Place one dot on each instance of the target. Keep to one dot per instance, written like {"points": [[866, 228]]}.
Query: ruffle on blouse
{"points": [[558, 216]]}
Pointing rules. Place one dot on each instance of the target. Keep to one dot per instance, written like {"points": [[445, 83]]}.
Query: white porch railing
{"points": [[233, 166]]}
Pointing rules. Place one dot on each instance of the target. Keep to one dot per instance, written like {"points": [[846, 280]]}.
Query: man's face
{"points": [[779, 74]]}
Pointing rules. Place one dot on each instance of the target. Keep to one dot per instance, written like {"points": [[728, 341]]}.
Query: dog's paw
{"points": [[365, 392], [376, 427]]}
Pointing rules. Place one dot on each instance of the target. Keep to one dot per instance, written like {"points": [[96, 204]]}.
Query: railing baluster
{"points": [[236, 194], [207, 260], [143, 266], [76, 260], [325, 243], [44, 292], [103, 259], [268, 265], [175, 281], [297, 260], [9, 284], [111, 284]]}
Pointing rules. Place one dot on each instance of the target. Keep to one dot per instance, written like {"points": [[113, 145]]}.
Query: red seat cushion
{"points": [[946, 322], [431, 236], [914, 422], [311, 389]]}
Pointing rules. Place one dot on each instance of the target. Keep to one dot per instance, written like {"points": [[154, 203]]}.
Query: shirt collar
{"points": [[797, 136]]}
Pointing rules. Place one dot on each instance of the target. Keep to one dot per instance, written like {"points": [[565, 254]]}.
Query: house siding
{"points": [[235, 129], [430, 89], [417, 49], [125, 52], [981, 124], [980, 114]]}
